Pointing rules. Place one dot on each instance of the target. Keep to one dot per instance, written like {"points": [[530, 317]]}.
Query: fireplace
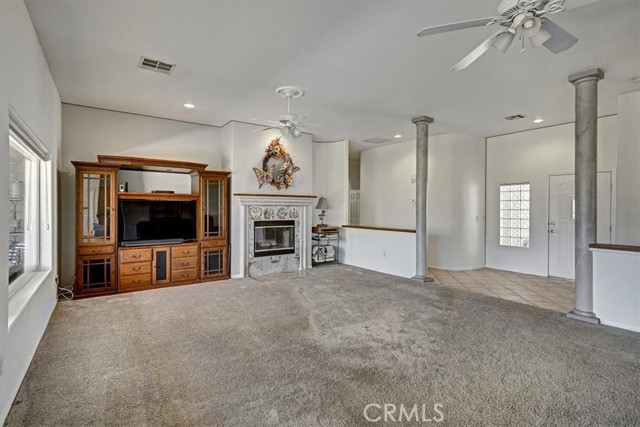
{"points": [[274, 238], [275, 234]]}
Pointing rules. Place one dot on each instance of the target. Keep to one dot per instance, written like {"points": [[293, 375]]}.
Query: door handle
{"points": [[552, 231]]}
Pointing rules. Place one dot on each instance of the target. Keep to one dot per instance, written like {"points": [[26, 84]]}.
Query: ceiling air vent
{"points": [[376, 140], [155, 65], [515, 117]]}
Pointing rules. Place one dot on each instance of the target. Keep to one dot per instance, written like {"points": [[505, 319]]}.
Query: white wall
{"points": [[455, 211], [331, 180], [26, 86], [616, 288], [243, 149], [628, 172], [145, 182], [532, 156], [390, 252], [87, 132]]}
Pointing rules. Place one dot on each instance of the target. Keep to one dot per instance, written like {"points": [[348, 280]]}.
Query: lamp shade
{"points": [[296, 133], [503, 41], [322, 204]]}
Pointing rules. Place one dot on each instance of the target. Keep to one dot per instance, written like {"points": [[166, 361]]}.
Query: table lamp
{"points": [[323, 206]]}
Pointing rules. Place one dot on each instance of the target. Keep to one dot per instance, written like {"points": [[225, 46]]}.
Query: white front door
{"points": [[562, 221]]}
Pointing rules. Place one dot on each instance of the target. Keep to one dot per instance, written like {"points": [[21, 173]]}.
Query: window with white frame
{"points": [[26, 163], [514, 214]]}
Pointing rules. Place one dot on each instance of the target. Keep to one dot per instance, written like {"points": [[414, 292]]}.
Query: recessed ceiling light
{"points": [[538, 120], [189, 106], [397, 136]]}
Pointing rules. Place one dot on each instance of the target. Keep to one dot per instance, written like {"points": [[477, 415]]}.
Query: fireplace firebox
{"points": [[274, 238]]}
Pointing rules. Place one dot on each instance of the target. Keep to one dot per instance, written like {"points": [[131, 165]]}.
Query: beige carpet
{"points": [[315, 350]]}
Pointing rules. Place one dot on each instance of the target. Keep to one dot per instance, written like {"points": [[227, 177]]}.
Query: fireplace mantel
{"points": [[274, 199]]}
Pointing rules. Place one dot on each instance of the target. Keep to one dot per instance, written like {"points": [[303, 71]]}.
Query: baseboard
{"points": [[620, 326]]}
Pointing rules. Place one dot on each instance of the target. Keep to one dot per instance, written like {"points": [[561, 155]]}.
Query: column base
{"points": [[583, 316], [422, 279]]}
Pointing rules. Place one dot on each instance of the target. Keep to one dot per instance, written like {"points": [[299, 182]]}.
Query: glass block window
{"points": [[514, 215]]}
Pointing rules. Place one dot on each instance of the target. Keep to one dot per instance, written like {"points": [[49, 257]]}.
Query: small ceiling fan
{"points": [[526, 19], [289, 124]]}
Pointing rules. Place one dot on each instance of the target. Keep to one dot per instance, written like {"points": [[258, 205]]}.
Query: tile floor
{"points": [[545, 292]]}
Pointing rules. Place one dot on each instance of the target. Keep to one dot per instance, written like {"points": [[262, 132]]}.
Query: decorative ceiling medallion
{"points": [[277, 167]]}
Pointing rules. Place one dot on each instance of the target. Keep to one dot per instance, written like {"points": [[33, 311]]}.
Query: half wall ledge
{"points": [[368, 227]]}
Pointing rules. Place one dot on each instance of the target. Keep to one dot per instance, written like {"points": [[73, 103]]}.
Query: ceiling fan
{"points": [[289, 124], [526, 19]]}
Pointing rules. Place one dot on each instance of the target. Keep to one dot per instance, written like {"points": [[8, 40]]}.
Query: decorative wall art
{"points": [[277, 167]]}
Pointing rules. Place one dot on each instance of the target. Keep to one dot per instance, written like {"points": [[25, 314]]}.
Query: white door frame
{"points": [[613, 205]]}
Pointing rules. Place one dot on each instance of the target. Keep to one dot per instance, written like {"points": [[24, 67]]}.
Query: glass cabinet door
{"points": [[214, 262], [213, 207], [96, 274], [96, 208]]}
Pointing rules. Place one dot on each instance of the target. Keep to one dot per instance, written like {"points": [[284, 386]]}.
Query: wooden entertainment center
{"points": [[107, 264]]}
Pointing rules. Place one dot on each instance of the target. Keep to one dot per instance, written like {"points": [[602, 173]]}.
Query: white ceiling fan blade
{"points": [[476, 53], [560, 39], [572, 4], [263, 129], [454, 27]]}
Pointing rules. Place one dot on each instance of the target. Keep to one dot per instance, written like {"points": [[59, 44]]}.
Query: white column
{"points": [[422, 157], [586, 165]]}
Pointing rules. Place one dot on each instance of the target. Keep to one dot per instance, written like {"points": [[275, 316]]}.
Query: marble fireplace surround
{"points": [[260, 207]]}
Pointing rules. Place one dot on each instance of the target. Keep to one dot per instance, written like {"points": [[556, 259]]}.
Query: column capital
{"points": [[593, 74], [421, 119]]}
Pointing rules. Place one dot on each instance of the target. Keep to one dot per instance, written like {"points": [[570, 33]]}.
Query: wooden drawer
{"points": [[184, 251], [96, 250], [134, 281], [214, 243], [129, 268], [184, 275], [135, 255], [184, 263]]}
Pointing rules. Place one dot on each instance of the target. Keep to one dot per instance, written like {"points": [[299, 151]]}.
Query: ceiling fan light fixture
{"points": [[296, 133], [504, 41], [539, 38], [529, 25]]}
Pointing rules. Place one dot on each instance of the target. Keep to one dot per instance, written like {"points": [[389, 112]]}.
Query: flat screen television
{"points": [[143, 222]]}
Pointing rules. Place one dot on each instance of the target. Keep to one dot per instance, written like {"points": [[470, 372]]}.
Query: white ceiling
{"points": [[365, 72]]}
